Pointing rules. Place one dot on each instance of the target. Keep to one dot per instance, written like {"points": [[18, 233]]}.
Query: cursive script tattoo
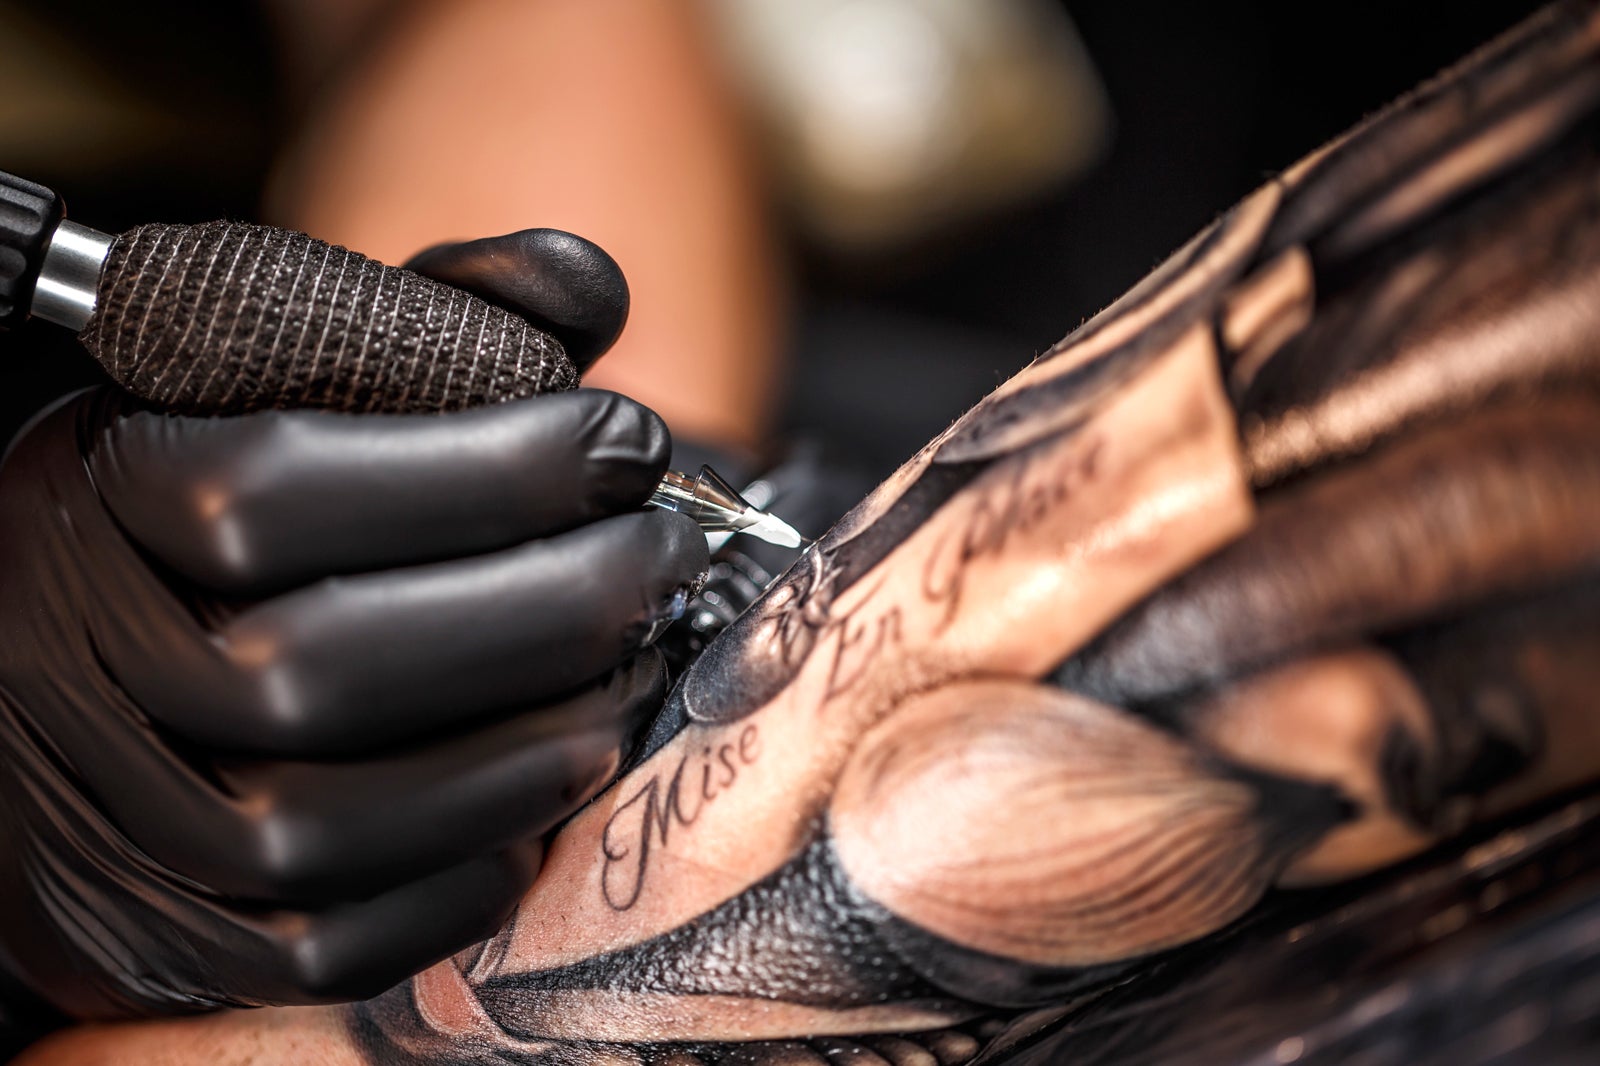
{"points": [[802, 615], [860, 638], [1028, 494], [645, 819]]}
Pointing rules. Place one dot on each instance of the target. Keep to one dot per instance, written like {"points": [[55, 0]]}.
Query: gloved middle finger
{"points": [[308, 833], [359, 663], [255, 504]]}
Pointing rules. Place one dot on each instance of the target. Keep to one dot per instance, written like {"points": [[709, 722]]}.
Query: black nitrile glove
{"points": [[288, 699]]}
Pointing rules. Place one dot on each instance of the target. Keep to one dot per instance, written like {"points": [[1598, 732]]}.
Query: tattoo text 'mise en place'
{"points": [[1028, 493]]}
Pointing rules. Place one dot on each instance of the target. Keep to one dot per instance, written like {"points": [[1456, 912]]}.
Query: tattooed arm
{"points": [[1305, 531]]}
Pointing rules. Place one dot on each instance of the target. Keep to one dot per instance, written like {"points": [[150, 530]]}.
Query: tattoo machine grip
{"points": [[228, 317]]}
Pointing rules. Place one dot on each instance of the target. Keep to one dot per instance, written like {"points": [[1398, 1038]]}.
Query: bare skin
{"points": [[1301, 609], [610, 119]]}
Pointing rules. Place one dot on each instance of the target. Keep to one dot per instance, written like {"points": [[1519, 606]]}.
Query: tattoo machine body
{"points": [[227, 318]]}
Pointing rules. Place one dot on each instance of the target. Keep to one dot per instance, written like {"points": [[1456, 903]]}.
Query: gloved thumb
{"points": [[561, 283]]}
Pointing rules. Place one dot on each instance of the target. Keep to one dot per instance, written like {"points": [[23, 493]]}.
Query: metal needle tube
{"points": [[70, 275]]}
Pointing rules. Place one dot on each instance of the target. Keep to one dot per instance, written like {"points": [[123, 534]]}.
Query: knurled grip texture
{"points": [[28, 215], [227, 317]]}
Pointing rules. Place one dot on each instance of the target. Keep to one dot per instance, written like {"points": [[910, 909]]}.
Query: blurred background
{"points": [[932, 191]]}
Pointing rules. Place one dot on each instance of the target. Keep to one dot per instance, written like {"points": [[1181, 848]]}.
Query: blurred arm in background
{"points": [[608, 118]]}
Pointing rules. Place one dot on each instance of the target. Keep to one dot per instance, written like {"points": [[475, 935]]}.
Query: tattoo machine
{"points": [[225, 318]]}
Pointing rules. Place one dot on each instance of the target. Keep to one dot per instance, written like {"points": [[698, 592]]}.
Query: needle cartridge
{"points": [[718, 507]]}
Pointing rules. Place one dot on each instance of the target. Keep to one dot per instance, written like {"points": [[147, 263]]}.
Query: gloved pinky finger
{"points": [[164, 946], [356, 950]]}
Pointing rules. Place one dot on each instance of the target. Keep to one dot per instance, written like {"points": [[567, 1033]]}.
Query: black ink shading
{"points": [[805, 934]]}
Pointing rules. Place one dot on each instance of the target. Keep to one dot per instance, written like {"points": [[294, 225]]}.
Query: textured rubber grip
{"points": [[227, 317]]}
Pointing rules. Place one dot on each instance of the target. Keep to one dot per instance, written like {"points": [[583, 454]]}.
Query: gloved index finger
{"points": [[253, 504]]}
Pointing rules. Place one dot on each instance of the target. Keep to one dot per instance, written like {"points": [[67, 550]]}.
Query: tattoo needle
{"points": [[718, 507]]}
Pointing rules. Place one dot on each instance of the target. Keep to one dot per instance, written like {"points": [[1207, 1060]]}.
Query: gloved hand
{"points": [[287, 699]]}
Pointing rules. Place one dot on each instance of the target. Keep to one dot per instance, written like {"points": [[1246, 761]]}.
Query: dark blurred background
{"points": [[173, 110]]}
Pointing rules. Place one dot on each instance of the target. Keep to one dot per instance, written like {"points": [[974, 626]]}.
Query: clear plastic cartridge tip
{"points": [[718, 507]]}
